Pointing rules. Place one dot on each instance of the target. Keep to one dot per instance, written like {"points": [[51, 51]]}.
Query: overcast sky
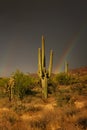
{"points": [[22, 23]]}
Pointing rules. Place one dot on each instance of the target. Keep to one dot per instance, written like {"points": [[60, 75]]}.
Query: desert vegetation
{"points": [[64, 109]]}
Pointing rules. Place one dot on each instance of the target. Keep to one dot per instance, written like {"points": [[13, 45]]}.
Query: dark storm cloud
{"points": [[22, 22]]}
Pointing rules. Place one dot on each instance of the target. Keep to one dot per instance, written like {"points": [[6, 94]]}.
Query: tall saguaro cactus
{"points": [[42, 72]]}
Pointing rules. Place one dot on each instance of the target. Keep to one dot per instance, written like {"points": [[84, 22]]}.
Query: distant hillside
{"points": [[81, 70]]}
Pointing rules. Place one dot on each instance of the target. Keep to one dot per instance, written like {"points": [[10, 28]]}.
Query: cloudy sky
{"points": [[22, 23]]}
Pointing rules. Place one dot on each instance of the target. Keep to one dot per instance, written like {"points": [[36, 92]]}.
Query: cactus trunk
{"points": [[44, 87]]}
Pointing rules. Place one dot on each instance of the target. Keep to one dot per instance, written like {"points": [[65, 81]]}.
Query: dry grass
{"points": [[43, 116], [67, 110]]}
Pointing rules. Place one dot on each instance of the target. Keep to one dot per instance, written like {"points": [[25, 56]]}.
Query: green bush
{"points": [[51, 86], [64, 79], [3, 82], [23, 84], [80, 89], [3, 87]]}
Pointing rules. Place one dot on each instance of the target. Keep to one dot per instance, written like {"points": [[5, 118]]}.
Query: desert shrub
{"points": [[40, 125], [2, 94], [3, 82], [19, 108], [33, 108], [70, 111], [76, 89], [80, 89], [8, 116], [82, 123], [83, 79], [63, 97], [23, 84], [3, 87], [51, 86], [65, 79]]}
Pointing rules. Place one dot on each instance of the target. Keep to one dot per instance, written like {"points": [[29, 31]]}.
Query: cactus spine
{"points": [[42, 72]]}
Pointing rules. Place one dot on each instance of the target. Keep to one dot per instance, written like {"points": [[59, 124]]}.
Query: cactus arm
{"points": [[39, 62], [50, 63], [43, 52]]}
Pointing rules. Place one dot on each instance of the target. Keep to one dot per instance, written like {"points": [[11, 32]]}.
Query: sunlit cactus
{"points": [[66, 67], [42, 72]]}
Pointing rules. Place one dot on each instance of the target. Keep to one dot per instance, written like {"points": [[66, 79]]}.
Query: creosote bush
{"points": [[3, 81], [23, 84], [63, 99], [3, 87], [64, 79], [51, 86]]}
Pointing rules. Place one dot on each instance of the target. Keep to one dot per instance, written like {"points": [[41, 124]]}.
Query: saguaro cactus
{"points": [[66, 67], [42, 72]]}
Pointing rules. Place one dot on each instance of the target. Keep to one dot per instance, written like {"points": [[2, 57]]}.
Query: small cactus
{"points": [[42, 72], [66, 67], [10, 87]]}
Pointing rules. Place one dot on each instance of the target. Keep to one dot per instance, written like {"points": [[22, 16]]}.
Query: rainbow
{"points": [[6, 64], [70, 45]]}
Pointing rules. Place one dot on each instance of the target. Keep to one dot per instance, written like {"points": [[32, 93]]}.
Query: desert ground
{"points": [[64, 109]]}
